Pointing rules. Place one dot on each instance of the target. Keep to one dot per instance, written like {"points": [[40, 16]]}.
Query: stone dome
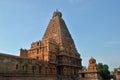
{"points": [[92, 60]]}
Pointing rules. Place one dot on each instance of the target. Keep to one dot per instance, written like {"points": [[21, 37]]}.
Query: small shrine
{"points": [[92, 73]]}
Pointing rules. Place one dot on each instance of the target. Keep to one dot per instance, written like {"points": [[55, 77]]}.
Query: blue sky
{"points": [[93, 24]]}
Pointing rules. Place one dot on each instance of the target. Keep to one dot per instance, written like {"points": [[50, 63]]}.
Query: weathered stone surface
{"points": [[92, 73], [56, 47], [117, 73]]}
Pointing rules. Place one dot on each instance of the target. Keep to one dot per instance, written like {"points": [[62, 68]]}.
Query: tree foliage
{"points": [[104, 71], [84, 68]]}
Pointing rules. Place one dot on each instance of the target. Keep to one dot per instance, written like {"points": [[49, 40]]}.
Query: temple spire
{"points": [[58, 31], [57, 13]]}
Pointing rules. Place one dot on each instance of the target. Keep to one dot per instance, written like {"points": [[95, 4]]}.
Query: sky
{"points": [[93, 24]]}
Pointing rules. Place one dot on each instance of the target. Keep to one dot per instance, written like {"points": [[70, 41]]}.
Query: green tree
{"points": [[104, 71], [84, 68]]}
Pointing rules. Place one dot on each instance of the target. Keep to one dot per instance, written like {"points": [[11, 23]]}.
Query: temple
{"points": [[92, 73], [57, 48], [117, 73], [55, 57]]}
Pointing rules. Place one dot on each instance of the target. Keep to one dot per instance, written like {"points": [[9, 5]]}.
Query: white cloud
{"points": [[112, 43]]}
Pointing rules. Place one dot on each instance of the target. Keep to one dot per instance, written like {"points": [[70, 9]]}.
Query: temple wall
{"points": [[7, 64], [28, 78], [16, 68], [15, 64]]}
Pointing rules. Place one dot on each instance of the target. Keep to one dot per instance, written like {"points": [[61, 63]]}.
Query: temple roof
{"points": [[57, 13], [92, 60], [58, 31]]}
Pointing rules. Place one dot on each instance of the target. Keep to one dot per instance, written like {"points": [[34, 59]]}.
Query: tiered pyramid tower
{"points": [[57, 48]]}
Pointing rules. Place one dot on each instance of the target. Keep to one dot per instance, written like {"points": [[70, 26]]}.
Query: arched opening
{"points": [[37, 57], [33, 69], [16, 66], [83, 75], [23, 67], [39, 69]]}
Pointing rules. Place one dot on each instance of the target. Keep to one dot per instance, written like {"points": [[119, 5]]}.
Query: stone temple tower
{"points": [[57, 48], [92, 73]]}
